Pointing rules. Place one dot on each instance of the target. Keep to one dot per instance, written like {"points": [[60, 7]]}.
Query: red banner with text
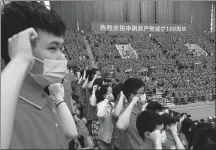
{"points": [[133, 27]]}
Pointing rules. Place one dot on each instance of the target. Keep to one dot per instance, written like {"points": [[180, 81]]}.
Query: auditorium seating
{"points": [[190, 76]]}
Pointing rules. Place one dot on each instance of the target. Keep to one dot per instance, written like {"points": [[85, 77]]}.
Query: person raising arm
{"points": [[21, 56]]}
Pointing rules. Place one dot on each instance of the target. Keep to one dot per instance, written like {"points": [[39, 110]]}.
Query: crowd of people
{"points": [[50, 102], [166, 58], [121, 117]]}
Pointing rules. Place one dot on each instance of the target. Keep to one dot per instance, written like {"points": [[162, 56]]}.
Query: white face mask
{"points": [[53, 72], [143, 98], [142, 102]]}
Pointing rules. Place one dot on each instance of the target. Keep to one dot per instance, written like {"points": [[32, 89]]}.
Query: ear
{"points": [[167, 127], [147, 134]]}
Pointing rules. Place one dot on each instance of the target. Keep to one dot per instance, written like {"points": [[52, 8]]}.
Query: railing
{"points": [[184, 101]]}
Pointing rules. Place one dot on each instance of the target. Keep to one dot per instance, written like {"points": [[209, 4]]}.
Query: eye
{"points": [[53, 48]]}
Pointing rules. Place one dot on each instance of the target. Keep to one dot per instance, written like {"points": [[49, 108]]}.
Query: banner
{"points": [[135, 27]]}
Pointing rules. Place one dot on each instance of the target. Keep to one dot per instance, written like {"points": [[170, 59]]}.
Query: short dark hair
{"points": [[20, 15], [131, 85], [101, 91], [98, 81], [186, 125], [155, 106], [205, 139], [75, 69], [116, 90], [91, 73], [148, 121]]}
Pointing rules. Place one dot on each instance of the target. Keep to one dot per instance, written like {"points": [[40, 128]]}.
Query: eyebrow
{"points": [[56, 42]]}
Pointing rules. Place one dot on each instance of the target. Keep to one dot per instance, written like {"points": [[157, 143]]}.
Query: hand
{"points": [[135, 99], [173, 129], [95, 88], [85, 120], [84, 75], [78, 75], [95, 76], [122, 95], [155, 136], [57, 91], [110, 97], [21, 45]]}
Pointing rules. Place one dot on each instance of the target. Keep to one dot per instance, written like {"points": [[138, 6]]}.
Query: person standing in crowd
{"points": [[36, 124], [205, 139], [185, 132], [179, 124], [105, 103], [149, 130], [90, 109], [172, 140], [134, 92], [21, 55]]}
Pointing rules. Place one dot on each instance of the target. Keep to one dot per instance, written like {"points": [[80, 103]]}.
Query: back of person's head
{"points": [[188, 116], [205, 139], [98, 81], [75, 69], [147, 122], [116, 90], [102, 92], [186, 126], [202, 120], [20, 15], [91, 73], [169, 120], [82, 73], [156, 107], [131, 86]]}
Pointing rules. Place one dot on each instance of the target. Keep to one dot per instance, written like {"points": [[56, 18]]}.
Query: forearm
{"points": [[80, 80], [67, 121], [91, 83], [158, 145], [13, 74], [93, 99], [119, 107], [84, 86], [124, 119], [178, 142]]}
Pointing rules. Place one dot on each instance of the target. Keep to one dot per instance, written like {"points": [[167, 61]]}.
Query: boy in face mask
{"points": [[36, 123]]}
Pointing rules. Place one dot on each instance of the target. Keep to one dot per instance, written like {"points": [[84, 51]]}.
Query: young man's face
{"points": [[48, 47]]}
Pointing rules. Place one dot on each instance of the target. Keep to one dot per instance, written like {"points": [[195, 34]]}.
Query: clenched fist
{"points": [[57, 91], [21, 45]]}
